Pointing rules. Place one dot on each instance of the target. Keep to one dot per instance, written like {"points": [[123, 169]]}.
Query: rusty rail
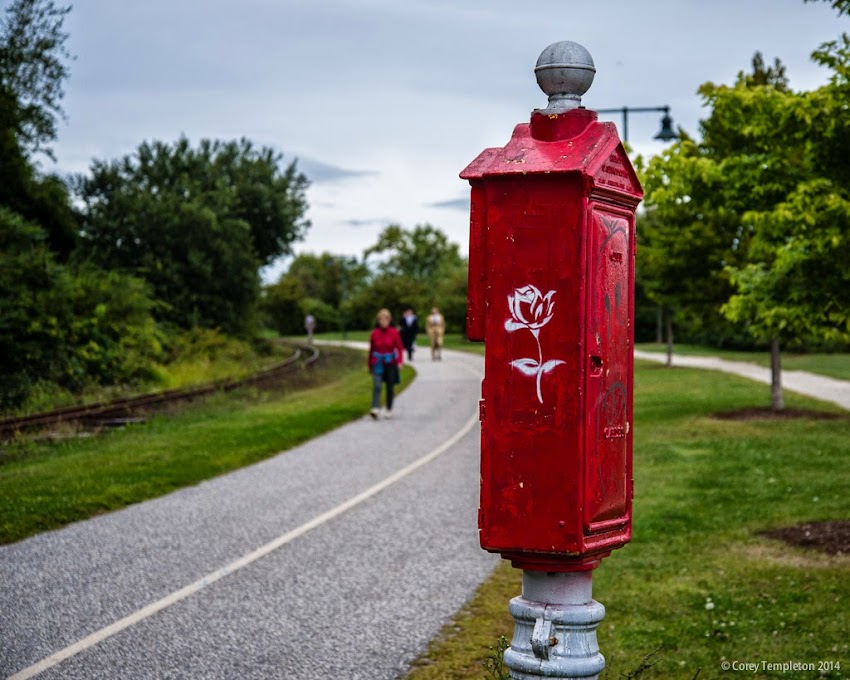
{"points": [[124, 409]]}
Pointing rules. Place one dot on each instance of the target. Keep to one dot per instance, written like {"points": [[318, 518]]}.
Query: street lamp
{"points": [[665, 134], [342, 295]]}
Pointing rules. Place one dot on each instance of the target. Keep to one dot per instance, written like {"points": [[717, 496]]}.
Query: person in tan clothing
{"points": [[436, 328]]}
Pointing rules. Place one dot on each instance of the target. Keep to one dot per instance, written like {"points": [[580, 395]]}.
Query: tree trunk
{"points": [[659, 324], [776, 402], [669, 337]]}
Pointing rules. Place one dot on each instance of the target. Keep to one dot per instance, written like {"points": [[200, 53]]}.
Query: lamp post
{"points": [[342, 296], [665, 134]]}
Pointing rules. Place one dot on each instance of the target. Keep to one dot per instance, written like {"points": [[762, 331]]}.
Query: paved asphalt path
{"points": [[803, 382], [341, 558]]}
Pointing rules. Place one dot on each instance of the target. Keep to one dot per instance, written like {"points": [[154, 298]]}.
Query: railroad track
{"points": [[128, 410]]}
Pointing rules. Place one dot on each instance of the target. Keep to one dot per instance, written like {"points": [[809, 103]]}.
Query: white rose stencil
{"points": [[532, 310]]}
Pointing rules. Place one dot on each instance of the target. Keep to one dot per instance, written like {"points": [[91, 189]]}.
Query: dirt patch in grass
{"points": [[767, 413], [830, 536]]}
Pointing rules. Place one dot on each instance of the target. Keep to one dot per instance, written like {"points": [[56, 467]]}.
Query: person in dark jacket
{"points": [[408, 329], [386, 356]]}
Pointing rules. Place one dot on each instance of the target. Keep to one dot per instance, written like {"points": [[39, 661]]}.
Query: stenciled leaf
{"points": [[549, 365], [528, 367]]}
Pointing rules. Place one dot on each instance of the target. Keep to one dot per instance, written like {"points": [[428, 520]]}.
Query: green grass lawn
{"points": [[47, 485], [835, 365], [697, 585]]}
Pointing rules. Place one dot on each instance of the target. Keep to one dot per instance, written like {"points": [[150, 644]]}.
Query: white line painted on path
{"points": [[244, 561]]}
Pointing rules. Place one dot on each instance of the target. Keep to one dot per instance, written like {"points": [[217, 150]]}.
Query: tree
{"points": [[64, 325], [423, 254], [686, 240], [196, 223], [269, 199], [840, 6], [414, 268], [776, 204], [417, 268], [321, 285], [795, 288], [32, 70]]}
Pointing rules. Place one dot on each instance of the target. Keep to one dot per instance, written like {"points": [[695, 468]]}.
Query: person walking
{"points": [[386, 356], [408, 329], [436, 328], [310, 326]]}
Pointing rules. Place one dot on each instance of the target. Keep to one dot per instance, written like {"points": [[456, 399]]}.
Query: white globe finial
{"points": [[565, 72]]}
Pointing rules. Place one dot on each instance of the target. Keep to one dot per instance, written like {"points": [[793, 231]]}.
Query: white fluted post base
{"points": [[555, 627]]}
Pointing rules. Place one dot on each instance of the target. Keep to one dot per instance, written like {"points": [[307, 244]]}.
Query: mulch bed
{"points": [[831, 536]]}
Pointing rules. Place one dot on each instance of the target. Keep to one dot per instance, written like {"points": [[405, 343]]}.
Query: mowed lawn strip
{"points": [[697, 586], [47, 485], [833, 364]]}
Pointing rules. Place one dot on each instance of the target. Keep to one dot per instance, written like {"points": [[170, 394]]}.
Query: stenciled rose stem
{"points": [[541, 310]]}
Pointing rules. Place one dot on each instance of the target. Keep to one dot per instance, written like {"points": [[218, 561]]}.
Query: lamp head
{"points": [[667, 132]]}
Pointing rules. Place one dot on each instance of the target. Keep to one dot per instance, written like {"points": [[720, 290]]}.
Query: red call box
{"points": [[551, 292]]}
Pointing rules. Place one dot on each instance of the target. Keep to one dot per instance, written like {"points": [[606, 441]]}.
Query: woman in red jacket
{"points": [[386, 355]]}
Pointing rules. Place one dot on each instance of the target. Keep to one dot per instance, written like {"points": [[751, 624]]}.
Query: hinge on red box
{"points": [[482, 410], [480, 518]]}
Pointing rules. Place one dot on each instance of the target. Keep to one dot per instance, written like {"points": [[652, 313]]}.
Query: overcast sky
{"points": [[384, 102]]}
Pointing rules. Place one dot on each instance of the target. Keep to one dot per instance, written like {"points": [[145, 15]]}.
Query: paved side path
{"points": [[810, 384], [341, 558]]}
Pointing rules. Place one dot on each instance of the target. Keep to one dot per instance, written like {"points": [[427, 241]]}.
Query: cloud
{"points": [[368, 222], [452, 204], [318, 171]]}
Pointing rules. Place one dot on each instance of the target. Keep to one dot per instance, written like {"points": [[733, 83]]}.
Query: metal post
{"points": [[342, 297], [538, 509], [555, 627], [666, 133], [625, 123]]}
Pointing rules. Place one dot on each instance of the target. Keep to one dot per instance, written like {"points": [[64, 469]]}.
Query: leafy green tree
{"points": [[394, 292], [795, 287], [281, 306], [65, 325], [196, 223], [33, 67], [268, 197], [27, 276], [422, 254], [327, 277], [32, 70], [321, 285], [416, 268], [774, 203], [840, 6], [685, 239], [696, 194]]}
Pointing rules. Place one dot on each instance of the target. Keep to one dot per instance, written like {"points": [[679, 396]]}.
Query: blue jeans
{"points": [[389, 377]]}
